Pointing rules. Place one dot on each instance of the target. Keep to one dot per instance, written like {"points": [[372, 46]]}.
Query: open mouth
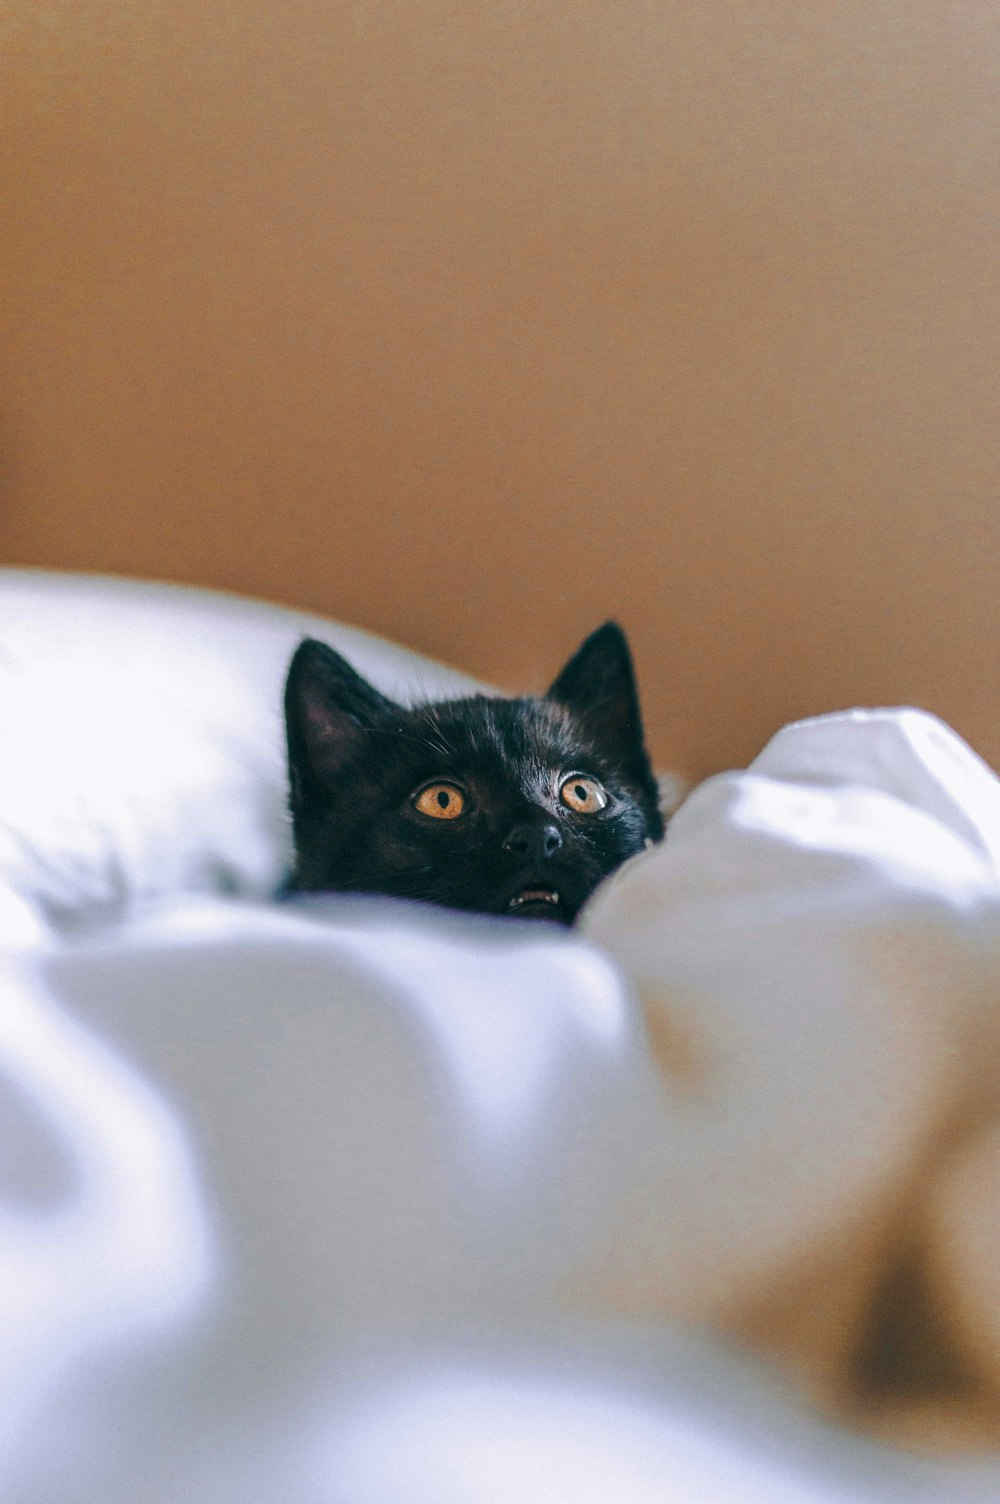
{"points": [[535, 903]]}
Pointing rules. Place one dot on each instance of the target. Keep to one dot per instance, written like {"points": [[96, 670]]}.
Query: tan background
{"points": [[475, 323]]}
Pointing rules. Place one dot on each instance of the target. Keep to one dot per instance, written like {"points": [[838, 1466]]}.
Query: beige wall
{"points": [[475, 323]]}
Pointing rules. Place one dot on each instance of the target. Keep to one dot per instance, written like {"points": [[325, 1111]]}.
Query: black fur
{"points": [[356, 760]]}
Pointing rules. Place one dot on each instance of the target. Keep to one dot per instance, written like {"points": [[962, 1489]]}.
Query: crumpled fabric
{"points": [[357, 1201]]}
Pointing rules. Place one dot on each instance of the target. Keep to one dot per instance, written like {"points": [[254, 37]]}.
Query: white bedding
{"points": [[360, 1203]]}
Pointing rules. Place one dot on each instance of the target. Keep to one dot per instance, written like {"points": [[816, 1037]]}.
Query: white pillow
{"points": [[142, 751]]}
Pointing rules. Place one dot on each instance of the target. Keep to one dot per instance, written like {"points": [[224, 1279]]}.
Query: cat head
{"points": [[500, 806]]}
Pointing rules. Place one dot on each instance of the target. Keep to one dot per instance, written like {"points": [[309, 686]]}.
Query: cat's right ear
{"points": [[329, 709]]}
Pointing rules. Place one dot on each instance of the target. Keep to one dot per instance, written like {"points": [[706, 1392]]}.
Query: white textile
{"points": [[355, 1202]]}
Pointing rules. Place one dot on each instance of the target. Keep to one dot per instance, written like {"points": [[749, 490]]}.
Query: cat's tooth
{"points": [[535, 895]]}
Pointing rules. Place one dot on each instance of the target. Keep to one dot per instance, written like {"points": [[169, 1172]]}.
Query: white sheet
{"points": [[358, 1202]]}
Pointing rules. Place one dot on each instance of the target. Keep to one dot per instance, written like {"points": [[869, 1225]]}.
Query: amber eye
{"points": [[582, 794], [442, 801]]}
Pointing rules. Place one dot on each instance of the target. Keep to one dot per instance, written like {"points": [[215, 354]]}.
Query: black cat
{"points": [[516, 806]]}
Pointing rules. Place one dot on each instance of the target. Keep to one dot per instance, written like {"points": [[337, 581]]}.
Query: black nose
{"points": [[533, 842]]}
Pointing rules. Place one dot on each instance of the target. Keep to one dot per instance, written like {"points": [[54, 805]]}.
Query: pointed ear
{"points": [[598, 686], [329, 709]]}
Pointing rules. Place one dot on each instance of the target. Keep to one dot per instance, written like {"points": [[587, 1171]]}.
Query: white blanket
{"points": [[362, 1203], [357, 1202]]}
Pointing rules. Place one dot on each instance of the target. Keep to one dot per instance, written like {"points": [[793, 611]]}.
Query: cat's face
{"points": [[499, 806]]}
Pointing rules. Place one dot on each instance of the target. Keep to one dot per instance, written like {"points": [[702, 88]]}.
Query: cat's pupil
{"points": [[443, 799], [581, 792]]}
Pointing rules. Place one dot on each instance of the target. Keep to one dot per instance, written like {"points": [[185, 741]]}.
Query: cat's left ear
{"points": [[598, 686]]}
